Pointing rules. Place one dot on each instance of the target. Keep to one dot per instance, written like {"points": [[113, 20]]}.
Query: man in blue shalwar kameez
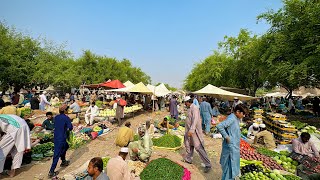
{"points": [[230, 155], [61, 126], [206, 114]]}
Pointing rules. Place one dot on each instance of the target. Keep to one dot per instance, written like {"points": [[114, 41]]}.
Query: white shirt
{"points": [[93, 110], [43, 99]]}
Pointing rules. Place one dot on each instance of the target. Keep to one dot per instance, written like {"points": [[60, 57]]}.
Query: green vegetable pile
{"points": [[99, 104], [287, 163], [299, 125], [43, 148], [310, 130], [244, 132], [267, 152], [136, 137], [105, 161], [25, 111], [160, 169], [292, 177], [182, 123], [45, 137], [254, 175], [168, 140]]}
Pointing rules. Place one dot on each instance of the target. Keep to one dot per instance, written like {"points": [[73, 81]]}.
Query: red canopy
{"points": [[115, 84]]}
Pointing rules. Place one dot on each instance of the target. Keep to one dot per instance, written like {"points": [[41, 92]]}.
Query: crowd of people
{"points": [[16, 140]]}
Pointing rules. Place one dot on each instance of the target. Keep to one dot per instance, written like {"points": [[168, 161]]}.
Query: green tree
{"points": [[294, 49], [17, 58]]}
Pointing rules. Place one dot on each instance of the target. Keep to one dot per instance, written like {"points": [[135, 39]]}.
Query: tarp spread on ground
{"points": [[220, 93], [128, 84], [160, 90]]}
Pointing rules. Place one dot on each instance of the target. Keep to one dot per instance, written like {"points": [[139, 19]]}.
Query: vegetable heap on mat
{"points": [[168, 140], [162, 168]]}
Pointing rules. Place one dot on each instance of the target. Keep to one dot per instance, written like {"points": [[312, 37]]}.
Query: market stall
{"points": [[211, 90]]}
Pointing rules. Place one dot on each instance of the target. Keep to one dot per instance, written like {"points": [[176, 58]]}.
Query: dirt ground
{"points": [[105, 146]]}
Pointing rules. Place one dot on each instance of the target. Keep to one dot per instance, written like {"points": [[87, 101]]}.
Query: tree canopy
{"points": [[26, 62], [287, 54]]}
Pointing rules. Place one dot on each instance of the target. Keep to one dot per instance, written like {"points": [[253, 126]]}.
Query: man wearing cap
{"points": [[141, 149], [117, 168], [94, 111], [230, 154], [206, 114], [43, 101], [253, 130], [125, 135], [193, 138], [61, 126], [264, 138], [15, 140]]}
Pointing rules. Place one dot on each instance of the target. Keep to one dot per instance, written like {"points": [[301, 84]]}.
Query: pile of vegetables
{"points": [[99, 104], [162, 168], [312, 164], [245, 145], [291, 177], [310, 130], [244, 132], [182, 123], [76, 140], [287, 163], [45, 136], [254, 176], [251, 168], [136, 137], [105, 161], [273, 175], [299, 125], [43, 148], [267, 152], [168, 140], [25, 111], [267, 161]]}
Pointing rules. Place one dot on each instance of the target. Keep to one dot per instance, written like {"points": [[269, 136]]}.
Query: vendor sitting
{"points": [[253, 130], [141, 149], [264, 138], [165, 125], [48, 124], [303, 146]]}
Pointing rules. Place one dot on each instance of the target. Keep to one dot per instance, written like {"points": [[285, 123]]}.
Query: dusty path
{"points": [[104, 146]]}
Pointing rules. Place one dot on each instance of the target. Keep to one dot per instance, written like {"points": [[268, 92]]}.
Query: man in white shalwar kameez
{"points": [[15, 140]]}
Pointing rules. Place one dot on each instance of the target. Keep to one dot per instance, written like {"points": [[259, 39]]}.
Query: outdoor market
{"points": [[160, 90], [267, 144]]}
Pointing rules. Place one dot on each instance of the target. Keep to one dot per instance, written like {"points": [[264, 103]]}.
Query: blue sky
{"points": [[165, 37]]}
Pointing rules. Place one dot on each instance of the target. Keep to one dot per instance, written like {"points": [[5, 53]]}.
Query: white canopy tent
{"points": [[160, 90], [128, 84], [211, 90]]}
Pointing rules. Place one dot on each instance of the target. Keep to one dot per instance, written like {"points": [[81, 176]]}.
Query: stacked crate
{"points": [[282, 130]]}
